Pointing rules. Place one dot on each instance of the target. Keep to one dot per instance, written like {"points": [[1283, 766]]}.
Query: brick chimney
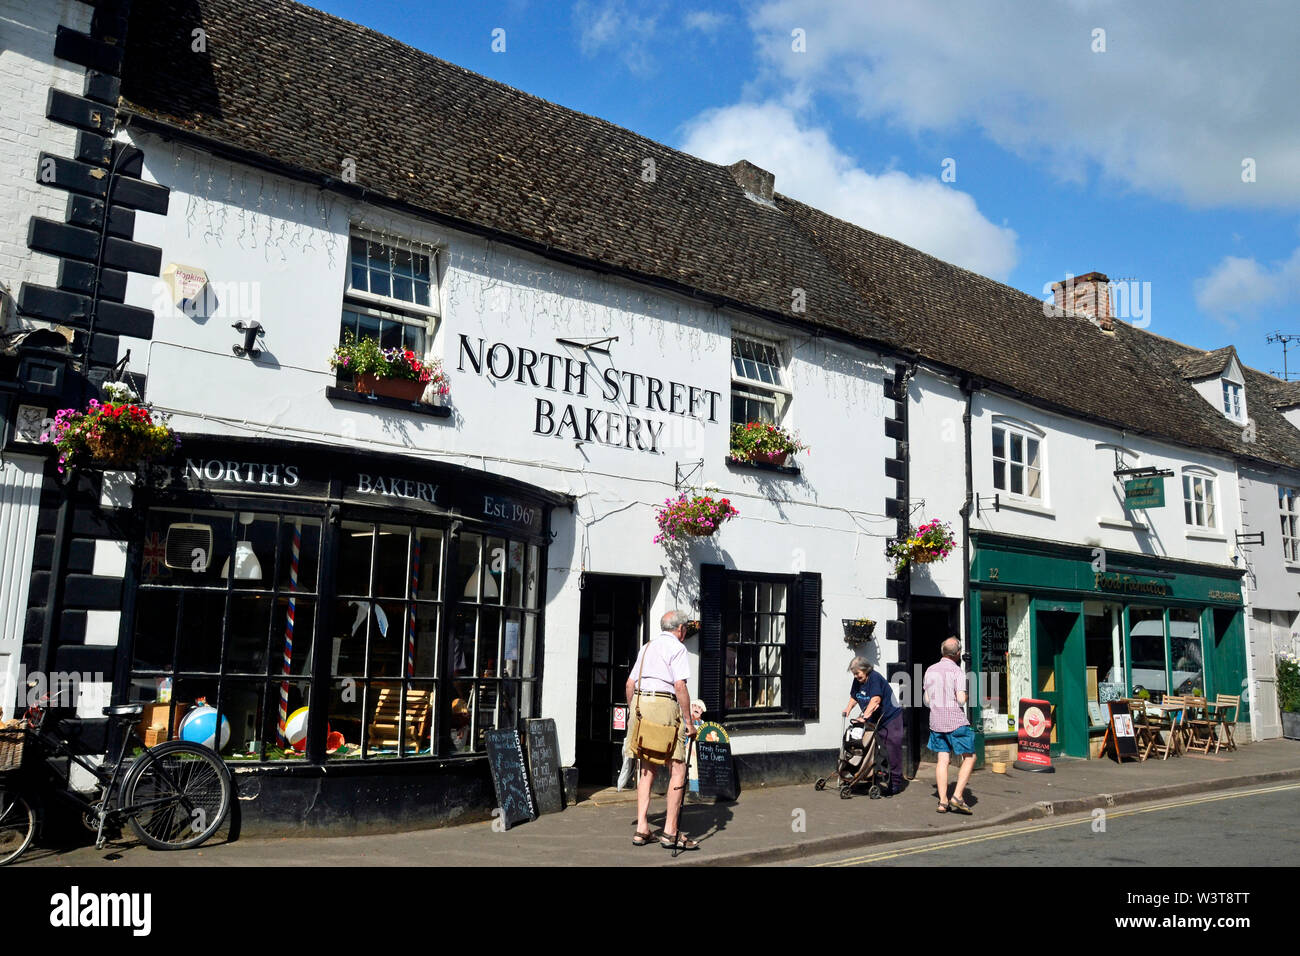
{"points": [[1086, 295], [758, 183]]}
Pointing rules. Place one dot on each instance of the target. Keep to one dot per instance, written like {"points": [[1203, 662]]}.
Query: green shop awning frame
{"points": [[1059, 578]]}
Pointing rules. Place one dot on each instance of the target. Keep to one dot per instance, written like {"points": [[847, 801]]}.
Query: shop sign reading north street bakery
{"points": [[573, 377]]}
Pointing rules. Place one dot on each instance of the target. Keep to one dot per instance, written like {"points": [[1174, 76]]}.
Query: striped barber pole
{"points": [[288, 631]]}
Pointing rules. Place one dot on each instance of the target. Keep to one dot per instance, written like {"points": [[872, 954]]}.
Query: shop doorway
{"points": [[613, 622], [1059, 677], [934, 620]]}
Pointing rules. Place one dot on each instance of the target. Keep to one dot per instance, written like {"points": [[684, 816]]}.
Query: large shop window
{"points": [[226, 621], [432, 640], [759, 644], [758, 387], [1103, 639], [1004, 657]]}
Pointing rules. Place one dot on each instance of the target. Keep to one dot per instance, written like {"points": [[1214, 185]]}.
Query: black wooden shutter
{"points": [[711, 590], [808, 598]]}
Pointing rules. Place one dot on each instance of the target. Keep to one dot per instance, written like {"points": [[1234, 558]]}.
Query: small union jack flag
{"points": [[155, 551]]}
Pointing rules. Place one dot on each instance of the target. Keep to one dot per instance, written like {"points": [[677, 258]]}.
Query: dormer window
{"points": [[1232, 400]]}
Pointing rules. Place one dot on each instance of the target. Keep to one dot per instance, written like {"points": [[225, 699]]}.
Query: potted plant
{"points": [[691, 515], [113, 435], [761, 442], [932, 541], [397, 373], [1288, 693], [857, 630]]}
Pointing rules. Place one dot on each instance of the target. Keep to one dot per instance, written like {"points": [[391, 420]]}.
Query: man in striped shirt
{"points": [[950, 731]]}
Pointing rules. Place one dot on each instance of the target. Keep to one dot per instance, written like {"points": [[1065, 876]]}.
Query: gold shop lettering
{"points": [[507, 510]]}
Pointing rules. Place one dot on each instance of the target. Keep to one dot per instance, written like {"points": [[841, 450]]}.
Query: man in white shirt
{"points": [[662, 669]]}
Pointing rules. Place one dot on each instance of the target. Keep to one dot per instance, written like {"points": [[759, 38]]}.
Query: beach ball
{"points": [[295, 729], [200, 727]]}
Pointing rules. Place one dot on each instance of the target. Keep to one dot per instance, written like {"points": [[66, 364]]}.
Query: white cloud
{"points": [[613, 26], [706, 21], [922, 212], [1183, 93], [1242, 287]]}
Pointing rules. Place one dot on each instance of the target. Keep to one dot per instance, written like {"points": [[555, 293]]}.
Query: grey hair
{"points": [[859, 663], [672, 620], [951, 648]]}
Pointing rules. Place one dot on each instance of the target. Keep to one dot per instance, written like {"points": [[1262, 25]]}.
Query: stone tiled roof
{"points": [[1272, 439], [1204, 364], [304, 90], [307, 90]]}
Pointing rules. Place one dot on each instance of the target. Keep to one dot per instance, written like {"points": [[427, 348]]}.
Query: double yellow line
{"points": [[1039, 828]]}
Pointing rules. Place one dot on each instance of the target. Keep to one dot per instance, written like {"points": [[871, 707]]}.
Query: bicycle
{"points": [[174, 795]]}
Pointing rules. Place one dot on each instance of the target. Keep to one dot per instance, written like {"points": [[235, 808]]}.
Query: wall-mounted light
{"points": [[252, 332]]}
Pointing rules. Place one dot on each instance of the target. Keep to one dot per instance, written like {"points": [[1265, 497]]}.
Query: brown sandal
{"points": [[677, 842], [642, 839], [943, 808]]}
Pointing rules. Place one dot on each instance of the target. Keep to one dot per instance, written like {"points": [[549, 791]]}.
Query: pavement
{"points": [[766, 824]]}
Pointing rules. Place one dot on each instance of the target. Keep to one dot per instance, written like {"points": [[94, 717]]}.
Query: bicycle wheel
{"points": [[17, 826], [176, 795]]}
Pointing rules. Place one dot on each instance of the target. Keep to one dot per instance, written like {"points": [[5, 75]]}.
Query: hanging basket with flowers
{"points": [[112, 435], [396, 372], [691, 516], [932, 541], [858, 630], [761, 442]]}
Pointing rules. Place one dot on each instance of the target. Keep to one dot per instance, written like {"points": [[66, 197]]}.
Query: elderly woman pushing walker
{"points": [[871, 693]]}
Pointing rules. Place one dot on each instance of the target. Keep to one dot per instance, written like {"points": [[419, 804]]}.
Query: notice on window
{"points": [[600, 647], [600, 675], [512, 641], [1094, 713], [993, 632]]}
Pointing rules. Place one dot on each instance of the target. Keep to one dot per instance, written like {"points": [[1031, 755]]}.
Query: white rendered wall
{"points": [[28, 70], [276, 252]]}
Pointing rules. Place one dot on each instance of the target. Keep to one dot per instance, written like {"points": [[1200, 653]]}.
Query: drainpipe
{"points": [[968, 387]]}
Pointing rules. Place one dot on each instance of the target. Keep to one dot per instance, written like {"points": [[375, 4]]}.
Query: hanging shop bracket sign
{"points": [[1144, 492]]}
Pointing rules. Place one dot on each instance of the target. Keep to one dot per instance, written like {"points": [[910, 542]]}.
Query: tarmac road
{"points": [[1249, 827]]}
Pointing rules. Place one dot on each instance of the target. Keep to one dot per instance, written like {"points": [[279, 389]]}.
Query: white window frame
{"points": [[390, 308], [1288, 502], [392, 302], [756, 388], [1207, 480], [1233, 404], [1026, 433]]}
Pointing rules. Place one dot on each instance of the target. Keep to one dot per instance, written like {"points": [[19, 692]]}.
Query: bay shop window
{"points": [[411, 639]]}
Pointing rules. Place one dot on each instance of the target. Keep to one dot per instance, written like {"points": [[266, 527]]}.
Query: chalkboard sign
{"points": [[544, 764], [716, 769], [509, 776], [1122, 734]]}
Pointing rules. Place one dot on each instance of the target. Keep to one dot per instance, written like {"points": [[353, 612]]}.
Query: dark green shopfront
{"points": [[1078, 626]]}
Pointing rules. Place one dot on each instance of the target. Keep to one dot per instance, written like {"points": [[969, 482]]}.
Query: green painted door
{"points": [[1227, 657], [1059, 675]]}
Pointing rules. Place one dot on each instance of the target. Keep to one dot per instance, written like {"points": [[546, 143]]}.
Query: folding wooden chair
{"points": [[1142, 728], [1171, 725], [1226, 703], [1202, 731]]}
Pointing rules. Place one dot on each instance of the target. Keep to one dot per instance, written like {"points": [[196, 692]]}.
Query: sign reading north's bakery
{"points": [[388, 489], [584, 422]]}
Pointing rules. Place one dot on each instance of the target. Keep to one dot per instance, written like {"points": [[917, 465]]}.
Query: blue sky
{"points": [[1158, 143]]}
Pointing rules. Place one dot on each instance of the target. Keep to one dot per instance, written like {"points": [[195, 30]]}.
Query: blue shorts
{"points": [[960, 741]]}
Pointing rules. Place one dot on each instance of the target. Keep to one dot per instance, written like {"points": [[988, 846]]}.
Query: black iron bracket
{"points": [[592, 345], [1256, 537], [685, 471], [981, 506]]}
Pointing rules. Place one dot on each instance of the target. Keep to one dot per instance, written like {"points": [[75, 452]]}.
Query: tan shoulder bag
{"points": [[654, 742]]}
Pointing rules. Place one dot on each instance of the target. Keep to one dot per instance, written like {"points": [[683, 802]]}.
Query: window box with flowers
{"points": [[392, 373], [111, 436], [930, 542], [691, 516], [762, 443]]}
